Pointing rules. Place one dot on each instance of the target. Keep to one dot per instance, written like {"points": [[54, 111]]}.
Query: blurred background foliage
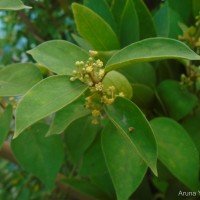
{"points": [[25, 29], [47, 20]]}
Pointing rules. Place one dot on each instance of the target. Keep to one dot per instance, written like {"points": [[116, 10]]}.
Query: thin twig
{"points": [[30, 26]]}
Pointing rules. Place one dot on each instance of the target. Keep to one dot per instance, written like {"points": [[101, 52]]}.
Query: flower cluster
{"points": [[191, 36], [92, 73], [192, 79], [89, 72]]}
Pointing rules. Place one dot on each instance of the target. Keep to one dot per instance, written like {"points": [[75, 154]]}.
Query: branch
{"points": [[30, 26], [7, 154]]}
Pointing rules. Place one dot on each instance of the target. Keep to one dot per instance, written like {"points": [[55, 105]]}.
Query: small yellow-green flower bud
{"points": [[110, 101], [99, 86], [93, 53], [72, 79], [95, 121], [111, 88], [121, 94], [101, 73], [81, 63], [99, 63], [90, 83], [90, 59], [77, 63], [11, 98], [96, 113], [89, 69]]}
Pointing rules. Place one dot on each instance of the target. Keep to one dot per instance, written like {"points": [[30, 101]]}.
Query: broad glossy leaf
{"points": [[150, 50], [117, 7], [177, 99], [102, 10], [129, 24], [58, 56], [81, 42], [177, 151], [196, 7], [143, 95], [146, 24], [167, 22], [17, 79], [64, 117], [104, 182], [79, 136], [86, 22], [184, 9], [134, 127], [5, 121], [40, 155], [161, 20], [125, 166], [192, 126], [86, 188], [12, 5], [93, 161], [45, 98], [174, 22], [143, 73]]}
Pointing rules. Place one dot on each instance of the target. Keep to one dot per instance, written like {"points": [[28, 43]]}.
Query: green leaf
{"points": [[101, 37], [117, 7], [104, 182], [192, 126], [143, 73], [146, 24], [87, 189], [178, 100], [143, 95], [196, 7], [150, 50], [93, 162], [102, 10], [64, 117], [79, 136], [129, 25], [184, 9], [5, 121], [45, 98], [134, 127], [12, 5], [167, 22], [34, 152], [161, 20], [59, 56], [81, 42], [125, 166], [17, 79], [177, 151]]}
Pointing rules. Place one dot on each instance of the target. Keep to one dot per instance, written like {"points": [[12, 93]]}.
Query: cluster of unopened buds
{"points": [[192, 79], [89, 72], [191, 36], [92, 73]]}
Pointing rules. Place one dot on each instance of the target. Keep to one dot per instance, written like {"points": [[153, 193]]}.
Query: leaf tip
{"points": [[29, 52], [16, 134], [155, 171]]}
